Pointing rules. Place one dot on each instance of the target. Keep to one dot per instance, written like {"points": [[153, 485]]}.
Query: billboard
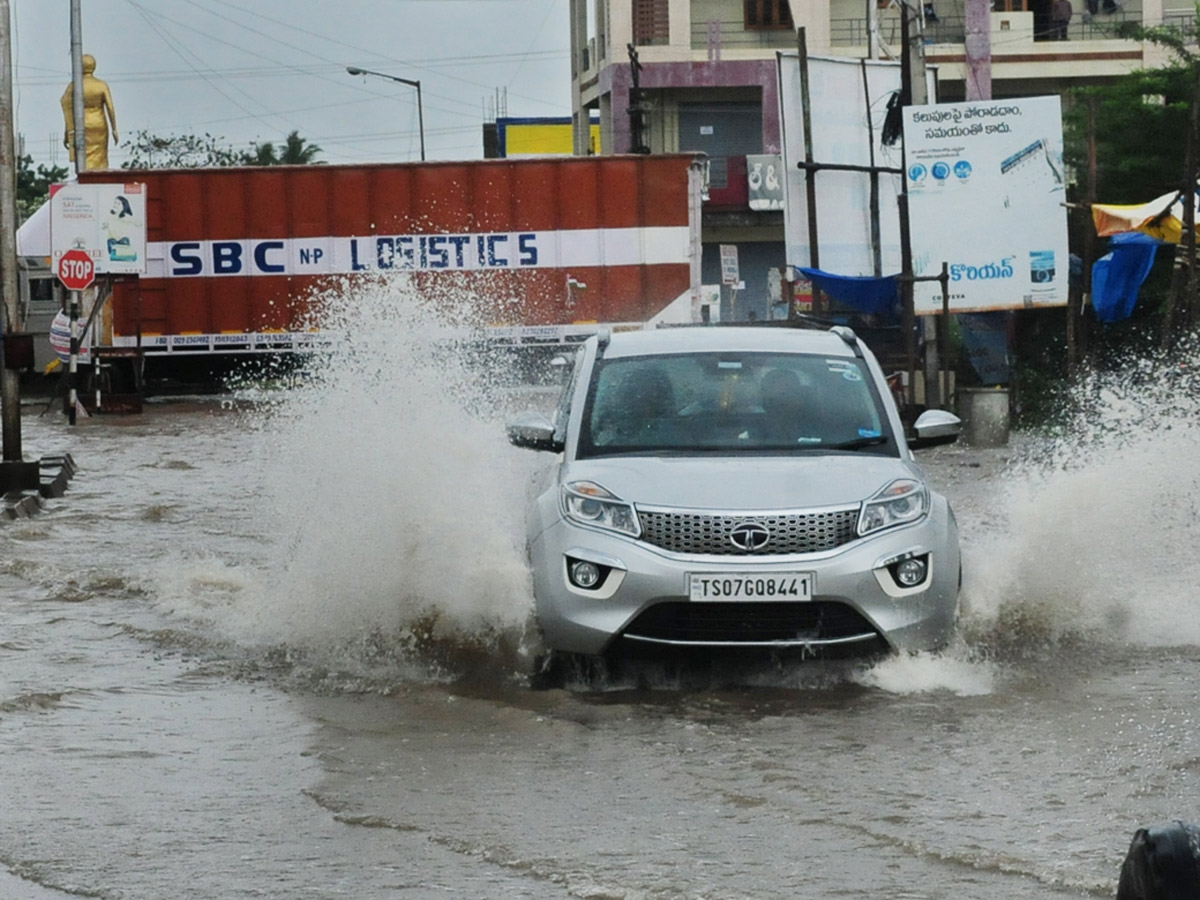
{"points": [[986, 188], [849, 102], [107, 221], [555, 136]]}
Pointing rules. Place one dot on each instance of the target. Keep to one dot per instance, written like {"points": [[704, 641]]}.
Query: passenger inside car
{"points": [[783, 404]]}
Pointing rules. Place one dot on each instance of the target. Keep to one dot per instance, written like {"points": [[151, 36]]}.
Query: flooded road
{"points": [[276, 645]]}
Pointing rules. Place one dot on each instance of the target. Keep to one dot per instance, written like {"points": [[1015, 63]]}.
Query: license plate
{"points": [[740, 586]]}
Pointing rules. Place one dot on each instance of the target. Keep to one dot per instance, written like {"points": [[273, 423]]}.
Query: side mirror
{"points": [[934, 427], [534, 431]]}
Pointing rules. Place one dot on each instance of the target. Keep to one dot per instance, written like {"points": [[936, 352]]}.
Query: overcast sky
{"points": [[255, 70]]}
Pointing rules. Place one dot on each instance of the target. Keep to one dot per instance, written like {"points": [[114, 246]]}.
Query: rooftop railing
{"points": [[852, 32], [945, 29]]}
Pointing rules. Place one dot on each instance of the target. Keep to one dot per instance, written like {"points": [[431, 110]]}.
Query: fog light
{"points": [[911, 572], [585, 574]]}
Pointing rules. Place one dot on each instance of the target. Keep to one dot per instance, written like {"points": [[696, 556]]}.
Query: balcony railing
{"points": [[952, 29], [733, 33]]}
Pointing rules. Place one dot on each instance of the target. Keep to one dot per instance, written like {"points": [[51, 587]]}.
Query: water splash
{"points": [[395, 503], [1097, 524], [954, 672]]}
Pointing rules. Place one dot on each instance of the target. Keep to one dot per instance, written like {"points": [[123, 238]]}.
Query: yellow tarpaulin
{"points": [[1161, 218]]}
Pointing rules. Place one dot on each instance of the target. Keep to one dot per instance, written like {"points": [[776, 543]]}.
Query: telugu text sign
{"points": [[986, 187]]}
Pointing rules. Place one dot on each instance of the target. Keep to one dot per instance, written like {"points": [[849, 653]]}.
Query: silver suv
{"points": [[737, 488]]}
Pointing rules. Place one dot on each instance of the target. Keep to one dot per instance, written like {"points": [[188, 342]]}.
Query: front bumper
{"points": [[644, 599]]}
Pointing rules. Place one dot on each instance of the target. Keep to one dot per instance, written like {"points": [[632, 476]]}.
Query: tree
{"points": [[185, 151], [189, 151], [33, 186], [294, 151], [1182, 311], [1146, 138], [1140, 122]]}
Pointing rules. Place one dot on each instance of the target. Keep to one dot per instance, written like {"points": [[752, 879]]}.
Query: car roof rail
{"points": [[846, 333]]}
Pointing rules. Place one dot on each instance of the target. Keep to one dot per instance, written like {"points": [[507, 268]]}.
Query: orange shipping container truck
{"points": [[554, 248]]}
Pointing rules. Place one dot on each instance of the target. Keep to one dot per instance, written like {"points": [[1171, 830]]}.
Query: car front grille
{"points": [[806, 532], [699, 624]]}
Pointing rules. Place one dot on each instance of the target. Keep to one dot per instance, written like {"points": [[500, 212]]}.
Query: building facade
{"points": [[700, 75]]}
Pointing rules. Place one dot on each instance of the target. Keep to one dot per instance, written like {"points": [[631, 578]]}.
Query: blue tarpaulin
{"points": [[867, 294], [1118, 275]]}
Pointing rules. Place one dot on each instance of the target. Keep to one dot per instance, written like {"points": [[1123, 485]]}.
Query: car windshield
{"points": [[732, 402]]}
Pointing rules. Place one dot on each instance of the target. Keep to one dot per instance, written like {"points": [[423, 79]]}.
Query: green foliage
{"points": [[33, 186], [1141, 120], [188, 151], [294, 151], [185, 151], [1140, 125]]}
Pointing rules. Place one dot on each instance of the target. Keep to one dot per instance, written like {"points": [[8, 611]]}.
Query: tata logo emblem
{"points": [[749, 536]]}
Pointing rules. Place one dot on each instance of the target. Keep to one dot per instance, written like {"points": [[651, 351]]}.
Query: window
{"points": [[768, 14], [651, 22], [737, 402]]}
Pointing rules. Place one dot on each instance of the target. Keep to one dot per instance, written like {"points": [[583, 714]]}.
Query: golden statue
{"points": [[98, 112]]}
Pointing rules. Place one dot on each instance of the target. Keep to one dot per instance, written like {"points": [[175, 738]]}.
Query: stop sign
{"points": [[76, 270]]}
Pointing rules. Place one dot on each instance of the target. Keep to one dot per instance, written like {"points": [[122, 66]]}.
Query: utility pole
{"points": [[15, 473], [978, 46], [1180, 298], [80, 147], [1076, 332], [916, 93], [872, 11]]}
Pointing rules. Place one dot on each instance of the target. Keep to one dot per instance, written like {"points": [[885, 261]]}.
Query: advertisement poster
{"points": [[986, 187], [108, 221]]}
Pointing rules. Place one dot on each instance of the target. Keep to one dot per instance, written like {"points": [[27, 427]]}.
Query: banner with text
{"points": [[986, 187], [106, 221]]}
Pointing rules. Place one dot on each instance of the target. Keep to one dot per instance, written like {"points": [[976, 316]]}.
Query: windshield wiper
{"points": [[857, 443]]}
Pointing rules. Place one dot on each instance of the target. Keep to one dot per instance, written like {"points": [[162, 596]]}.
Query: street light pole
{"points": [[354, 70]]}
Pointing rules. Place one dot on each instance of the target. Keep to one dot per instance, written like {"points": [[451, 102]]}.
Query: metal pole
{"points": [[355, 70], [420, 119], [876, 238], [810, 184], [77, 87], [944, 278], [908, 317], [10, 398], [918, 95], [73, 360]]}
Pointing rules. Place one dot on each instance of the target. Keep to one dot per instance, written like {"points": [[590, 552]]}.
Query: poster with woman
{"points": [[108, 221]]}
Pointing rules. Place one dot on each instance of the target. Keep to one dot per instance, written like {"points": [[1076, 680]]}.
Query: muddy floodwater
{"points": [[276, 644]]}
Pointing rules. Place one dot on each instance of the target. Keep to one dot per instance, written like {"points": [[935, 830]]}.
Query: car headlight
{"points": [[587, 503], [899, 503]]}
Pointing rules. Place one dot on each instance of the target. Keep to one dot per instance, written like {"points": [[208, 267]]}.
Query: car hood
{"points": [[740, 483]]}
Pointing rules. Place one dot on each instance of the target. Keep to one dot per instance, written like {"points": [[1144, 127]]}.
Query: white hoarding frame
{"points": [[846, 95], [107, 221], [986, 188]]}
